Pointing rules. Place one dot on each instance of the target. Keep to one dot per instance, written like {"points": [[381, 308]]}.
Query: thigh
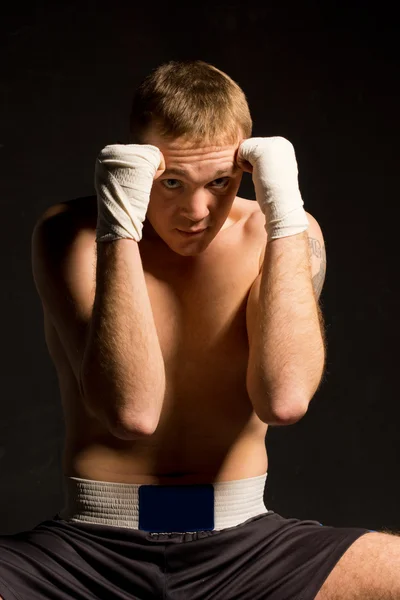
{"points": [[267, 558], [368, 570], [60, 561]]}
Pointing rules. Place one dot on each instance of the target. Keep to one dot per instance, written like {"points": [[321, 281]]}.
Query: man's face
{"points": [[196, 191]]}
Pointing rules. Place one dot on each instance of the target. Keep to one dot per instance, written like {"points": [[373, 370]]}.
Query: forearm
{"points": [[287, 355], [123, 373]]}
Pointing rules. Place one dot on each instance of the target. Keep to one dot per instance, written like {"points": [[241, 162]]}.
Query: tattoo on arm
{"points": [[318, 250]]}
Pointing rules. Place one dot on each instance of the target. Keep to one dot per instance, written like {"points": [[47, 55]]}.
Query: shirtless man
{"points": [[174, 353]]}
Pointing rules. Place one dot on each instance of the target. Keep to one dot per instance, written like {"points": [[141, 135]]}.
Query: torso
{"points": [[208, 430]]}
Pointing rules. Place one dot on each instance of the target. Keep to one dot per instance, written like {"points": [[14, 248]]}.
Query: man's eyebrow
{"points": [[175, 171], [183, 173]]}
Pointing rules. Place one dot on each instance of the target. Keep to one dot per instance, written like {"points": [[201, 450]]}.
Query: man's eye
{"points": [[171, 184], [221, 182]]}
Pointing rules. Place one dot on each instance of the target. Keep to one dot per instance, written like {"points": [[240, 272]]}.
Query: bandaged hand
{"points": [[124, 176], [275, 178]]}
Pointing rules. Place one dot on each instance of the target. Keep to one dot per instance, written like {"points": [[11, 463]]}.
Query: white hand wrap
{"points": [[123, 179], [276, 184]]}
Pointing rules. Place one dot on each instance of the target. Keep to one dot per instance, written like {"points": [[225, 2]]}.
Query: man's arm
{"points": [[103, 317], [287, 352], [103, 314], [123, 367], [285, 327]]}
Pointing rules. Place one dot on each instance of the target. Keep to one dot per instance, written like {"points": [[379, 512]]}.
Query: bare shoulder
{"points": [[314, 229], [250, 214], [62, 229], [63, 236], [254, 225], [247, 207], [79, 213], [63, 265]]}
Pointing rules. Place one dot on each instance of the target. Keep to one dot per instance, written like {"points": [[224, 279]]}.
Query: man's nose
{"points": [[195, 206]]}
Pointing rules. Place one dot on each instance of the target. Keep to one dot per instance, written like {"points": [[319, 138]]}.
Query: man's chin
{"points": [[176, 243]]}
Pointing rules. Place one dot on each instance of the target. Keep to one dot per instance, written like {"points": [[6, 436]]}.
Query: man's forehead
{"points": [[198, 151], [219, 158]]}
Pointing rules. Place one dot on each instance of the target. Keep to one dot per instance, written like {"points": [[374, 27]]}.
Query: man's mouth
{"points": [[191, 233]]}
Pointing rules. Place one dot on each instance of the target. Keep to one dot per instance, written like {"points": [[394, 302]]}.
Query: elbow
{"points": [[280, 409], [125, 429], [289, 413], [122, 425]]}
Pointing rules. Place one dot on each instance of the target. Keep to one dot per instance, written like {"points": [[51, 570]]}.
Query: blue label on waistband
{"points": [[180, 508]]}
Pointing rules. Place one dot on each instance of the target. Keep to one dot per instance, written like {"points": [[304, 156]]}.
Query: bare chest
{"points": [[207, 422], [200, 317]]}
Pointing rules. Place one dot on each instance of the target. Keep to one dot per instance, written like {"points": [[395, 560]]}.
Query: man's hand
{"points": [[124, 177], [272, 162], [161, 167]]}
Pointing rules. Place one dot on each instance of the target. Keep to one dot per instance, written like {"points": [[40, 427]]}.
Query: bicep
{"points": [[317, 255]]}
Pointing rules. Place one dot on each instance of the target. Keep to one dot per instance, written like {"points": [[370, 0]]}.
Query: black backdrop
{"points": [[327, 78]]}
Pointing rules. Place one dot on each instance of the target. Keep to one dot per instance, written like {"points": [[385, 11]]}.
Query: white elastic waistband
{"points": [[117, 504]]}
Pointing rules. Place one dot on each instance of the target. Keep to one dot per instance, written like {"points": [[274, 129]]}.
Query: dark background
{"points": [[327, 78]]}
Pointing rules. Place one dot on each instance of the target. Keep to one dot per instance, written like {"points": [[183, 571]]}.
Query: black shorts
{"points": [[267, 557]]}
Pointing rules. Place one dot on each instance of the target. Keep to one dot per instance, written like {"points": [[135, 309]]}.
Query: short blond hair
{"points": [[193, 100]]}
